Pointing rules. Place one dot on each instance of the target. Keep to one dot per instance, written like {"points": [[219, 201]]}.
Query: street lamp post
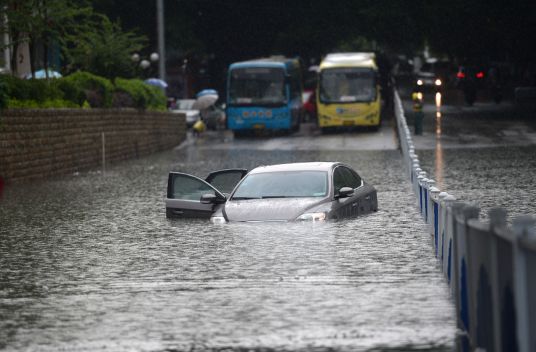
{"points": [[161, 41]]}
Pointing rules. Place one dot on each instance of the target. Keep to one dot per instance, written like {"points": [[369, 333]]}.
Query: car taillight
{"points": [[480, 74], [460, 75]]}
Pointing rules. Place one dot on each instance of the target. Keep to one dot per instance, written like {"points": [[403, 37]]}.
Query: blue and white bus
{"points": [[264, 94]]}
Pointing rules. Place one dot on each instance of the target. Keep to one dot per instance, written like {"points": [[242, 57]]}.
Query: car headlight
{"points": [[312, 217], [438, 82], [218, 220], [419, 82]]}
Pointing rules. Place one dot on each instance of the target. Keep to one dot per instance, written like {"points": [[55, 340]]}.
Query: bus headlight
{"points": [[312, 217], [438, 82]]}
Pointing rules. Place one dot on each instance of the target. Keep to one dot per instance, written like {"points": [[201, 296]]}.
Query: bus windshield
{"points": [[257, 85], [347, 85]]}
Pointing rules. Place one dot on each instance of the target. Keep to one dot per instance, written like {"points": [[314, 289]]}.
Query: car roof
{"points": [[309, 166]]}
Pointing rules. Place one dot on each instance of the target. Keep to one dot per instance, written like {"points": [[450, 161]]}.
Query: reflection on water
{"points": [[438, 99], [91, 263]]}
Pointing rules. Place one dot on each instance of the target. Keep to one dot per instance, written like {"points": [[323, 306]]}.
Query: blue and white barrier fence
{"points": [[490, 267]]}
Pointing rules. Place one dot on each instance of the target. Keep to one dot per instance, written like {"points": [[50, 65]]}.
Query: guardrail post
{"points": [[416, 173], [502, 271], [463, 212], [447, 241], [429, 205], [414, 166], [424, 211], [480, 279], [421, 178], [440, 214], [525, 285]]}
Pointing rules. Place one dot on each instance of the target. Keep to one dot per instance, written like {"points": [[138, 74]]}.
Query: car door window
{"points": [[187, 187], [225, 180], [354, 179], [344, 177]]}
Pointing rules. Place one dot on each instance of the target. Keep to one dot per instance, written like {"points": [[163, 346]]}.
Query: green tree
{"points": [[88, 41], [42, 23], [105, 51]]}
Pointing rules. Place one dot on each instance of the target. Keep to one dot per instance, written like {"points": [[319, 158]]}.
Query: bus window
{"points": [[347, 85], [257, 85]]}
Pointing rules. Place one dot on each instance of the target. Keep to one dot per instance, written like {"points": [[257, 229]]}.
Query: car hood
{"points": [[272, 209], [426, 74]]}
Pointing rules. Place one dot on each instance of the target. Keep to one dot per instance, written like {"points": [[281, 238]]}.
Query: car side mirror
{"points": [[345, 192], [210, 198]]}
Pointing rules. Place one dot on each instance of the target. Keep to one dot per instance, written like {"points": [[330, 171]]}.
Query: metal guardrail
{"points": [[490, 266]]}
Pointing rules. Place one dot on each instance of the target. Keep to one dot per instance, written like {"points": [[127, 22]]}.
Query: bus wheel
{"points": [[325, 130]]}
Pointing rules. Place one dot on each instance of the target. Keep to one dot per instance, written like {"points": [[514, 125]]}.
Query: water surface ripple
{"points": [[90, 263]]}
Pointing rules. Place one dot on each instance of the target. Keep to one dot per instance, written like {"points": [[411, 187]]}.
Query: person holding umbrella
{"points": [[204, 100]]}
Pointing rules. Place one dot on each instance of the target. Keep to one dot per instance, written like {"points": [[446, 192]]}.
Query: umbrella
{"points": [[205, 98], [157, 82], [40, 74]]}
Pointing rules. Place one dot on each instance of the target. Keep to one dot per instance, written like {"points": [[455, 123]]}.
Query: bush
{"points": [[142, 95], [46, 104], [81, 89], [33, 89], [156, 98], [133, 88], [71, 91], [98, 90], [3, 95]]}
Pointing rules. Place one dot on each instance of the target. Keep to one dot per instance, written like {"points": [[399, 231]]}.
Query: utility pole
{"points": [[161, 42]]}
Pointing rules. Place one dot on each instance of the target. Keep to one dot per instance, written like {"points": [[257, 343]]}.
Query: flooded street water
{"points": [[485, 153], [90, 263]]}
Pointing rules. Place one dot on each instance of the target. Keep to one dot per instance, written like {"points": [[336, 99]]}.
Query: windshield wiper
{"points": [[266, 197], [244, 198]]}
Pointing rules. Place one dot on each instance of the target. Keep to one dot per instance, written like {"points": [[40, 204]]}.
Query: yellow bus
{"points": [[348, 91]]}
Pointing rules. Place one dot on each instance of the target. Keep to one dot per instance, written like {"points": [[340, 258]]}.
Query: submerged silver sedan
{"points": [[313, 191]]}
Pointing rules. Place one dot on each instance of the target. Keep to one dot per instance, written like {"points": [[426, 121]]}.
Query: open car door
{"points": [[184, 192], [226, 180]]}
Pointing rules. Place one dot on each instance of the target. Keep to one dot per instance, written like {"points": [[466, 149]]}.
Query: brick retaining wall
{"points": [[51, 142]]}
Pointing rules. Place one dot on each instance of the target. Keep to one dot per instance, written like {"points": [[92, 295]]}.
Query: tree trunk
{"points": [[31, 46], [45, 58]]}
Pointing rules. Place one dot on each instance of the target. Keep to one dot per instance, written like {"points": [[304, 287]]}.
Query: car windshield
{"points": [[347, 85], [257, 85], [283, 184]]}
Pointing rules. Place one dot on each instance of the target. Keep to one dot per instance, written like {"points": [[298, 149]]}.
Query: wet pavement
{"points": [[90, 263], [485, 153]]}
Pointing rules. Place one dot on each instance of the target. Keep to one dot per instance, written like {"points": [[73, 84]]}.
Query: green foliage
{"points": [[98, 90], [46, 104], [81, 89], [37, 90], [44, 23], [138, 94], [105, 50], [135, 94], [156, 98], [70, 89], [3, 95]]}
